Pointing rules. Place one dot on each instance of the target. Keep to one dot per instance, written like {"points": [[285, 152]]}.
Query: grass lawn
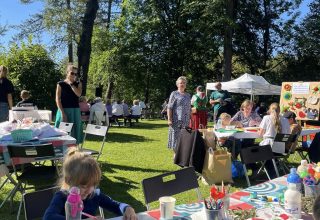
{"points": [[129, 156]]}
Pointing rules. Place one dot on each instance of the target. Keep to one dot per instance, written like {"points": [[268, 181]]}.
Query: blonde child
{"points": [[83, 171], [229, 142]]}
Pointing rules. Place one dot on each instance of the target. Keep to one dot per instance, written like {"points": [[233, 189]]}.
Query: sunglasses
{"points": [[73, 74]]}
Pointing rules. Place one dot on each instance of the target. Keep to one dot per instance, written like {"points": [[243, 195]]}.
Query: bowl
{"points": [[230, 127]]}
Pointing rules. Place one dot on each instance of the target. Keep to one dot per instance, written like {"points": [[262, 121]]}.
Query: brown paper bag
{"points": [[217, 167]]}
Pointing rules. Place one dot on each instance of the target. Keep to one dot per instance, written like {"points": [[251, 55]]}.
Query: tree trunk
{"points": [[110, 81], [109, 88], [227, 49], [266, 34], [70, 40], [84, 47]]}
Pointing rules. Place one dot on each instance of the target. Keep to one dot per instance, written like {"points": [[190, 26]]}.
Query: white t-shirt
{"points": [[117, 109], [136, 110], [270, 130]]}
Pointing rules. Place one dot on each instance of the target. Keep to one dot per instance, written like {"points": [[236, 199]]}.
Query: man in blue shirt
{"points": [[217, 99]]}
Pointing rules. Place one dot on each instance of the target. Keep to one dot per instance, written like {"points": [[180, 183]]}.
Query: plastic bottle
{"points": [[303, 168], [219, 124], [292, 201], [74, 204], [294, 178]]}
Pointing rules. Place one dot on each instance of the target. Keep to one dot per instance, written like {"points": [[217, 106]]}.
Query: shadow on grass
{"points": [[142, 125], [118, 190], [109, 168], [119, 137]]}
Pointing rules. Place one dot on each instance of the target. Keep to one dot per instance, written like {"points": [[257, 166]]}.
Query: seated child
{"points": [[83, 171], [229, 141], [26, 100]]}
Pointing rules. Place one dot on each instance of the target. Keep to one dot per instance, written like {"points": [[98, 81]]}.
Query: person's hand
{"points": [[253, 123], [99, 218], [130, 214], [64, 117], [169, 122]]}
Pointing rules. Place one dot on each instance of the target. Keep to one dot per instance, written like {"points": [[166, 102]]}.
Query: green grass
{"points": [[129, 156]]}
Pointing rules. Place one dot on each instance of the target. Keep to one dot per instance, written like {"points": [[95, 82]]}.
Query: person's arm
{"points": [[262, 127], [77, 89], [170, 107], [10, 103], [169, 114], [59, 104]]}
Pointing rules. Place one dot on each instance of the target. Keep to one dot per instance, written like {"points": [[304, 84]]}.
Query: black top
{"points": [[26, 103], [6, 87], [68, 98]]}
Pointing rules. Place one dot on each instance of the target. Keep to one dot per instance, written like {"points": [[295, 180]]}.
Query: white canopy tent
{"points": [[248, 84]]}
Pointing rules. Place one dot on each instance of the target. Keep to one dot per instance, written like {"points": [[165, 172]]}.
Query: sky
{"points": [[12, 12]]}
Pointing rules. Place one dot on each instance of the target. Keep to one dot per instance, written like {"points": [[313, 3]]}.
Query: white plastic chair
{"points": [[96, 130], [66, 126]]}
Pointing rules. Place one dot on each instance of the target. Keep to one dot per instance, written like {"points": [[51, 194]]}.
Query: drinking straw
{"points": [[88, 215]]}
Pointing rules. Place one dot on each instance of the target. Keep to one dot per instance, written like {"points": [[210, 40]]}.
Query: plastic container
{"points": [[292, 201], [218, 125], [303, 167], [311, 190], [167, 204], [20, 135], [214, 214], [294, 178], [74, 204]]}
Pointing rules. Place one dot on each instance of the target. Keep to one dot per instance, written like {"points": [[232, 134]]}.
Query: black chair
{"points": [[170, 184], [257, 154], [36, 203], [38, 152], [289, 143]]}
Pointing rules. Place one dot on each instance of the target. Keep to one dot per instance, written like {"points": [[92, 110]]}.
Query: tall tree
{"points": [[84, 47]]}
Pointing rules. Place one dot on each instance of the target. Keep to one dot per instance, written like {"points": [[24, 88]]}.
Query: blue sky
{"points": [[12, 12]]}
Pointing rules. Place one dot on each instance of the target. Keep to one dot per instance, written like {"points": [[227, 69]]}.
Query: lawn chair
{"points": [[257, 154], [65, 126], [96, 130], [39, 152], [170, 184], [288, 141], [36, 203]]}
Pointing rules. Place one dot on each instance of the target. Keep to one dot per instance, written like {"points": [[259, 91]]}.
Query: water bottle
{"points": [[219, 124], [294, 178], [303, 167], [292, 201], [74, 204]]}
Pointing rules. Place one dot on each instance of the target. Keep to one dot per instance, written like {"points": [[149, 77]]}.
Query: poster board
{"points": [[302, 98]]}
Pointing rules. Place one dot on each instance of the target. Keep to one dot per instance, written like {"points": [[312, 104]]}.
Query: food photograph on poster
{"points": [[302, 98]]}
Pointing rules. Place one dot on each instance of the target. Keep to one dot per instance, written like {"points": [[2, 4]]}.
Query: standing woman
{"points": [[6, 90], [178, 111], [199, 110], [67, 99]]}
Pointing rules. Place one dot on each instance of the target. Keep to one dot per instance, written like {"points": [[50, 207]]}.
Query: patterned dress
{"points": [[181, 109]]}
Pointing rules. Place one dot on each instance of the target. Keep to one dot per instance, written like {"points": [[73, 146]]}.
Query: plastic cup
{"points": [[167, 204], [214, 214], [311, 190]]}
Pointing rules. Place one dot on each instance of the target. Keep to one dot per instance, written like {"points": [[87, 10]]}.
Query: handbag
{"points": [[217, 167], [190, 150], [237, 169], [194, 110]]}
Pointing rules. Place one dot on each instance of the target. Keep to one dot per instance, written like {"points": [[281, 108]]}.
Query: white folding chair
{"points": [[65, 126], [96, 130]]}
